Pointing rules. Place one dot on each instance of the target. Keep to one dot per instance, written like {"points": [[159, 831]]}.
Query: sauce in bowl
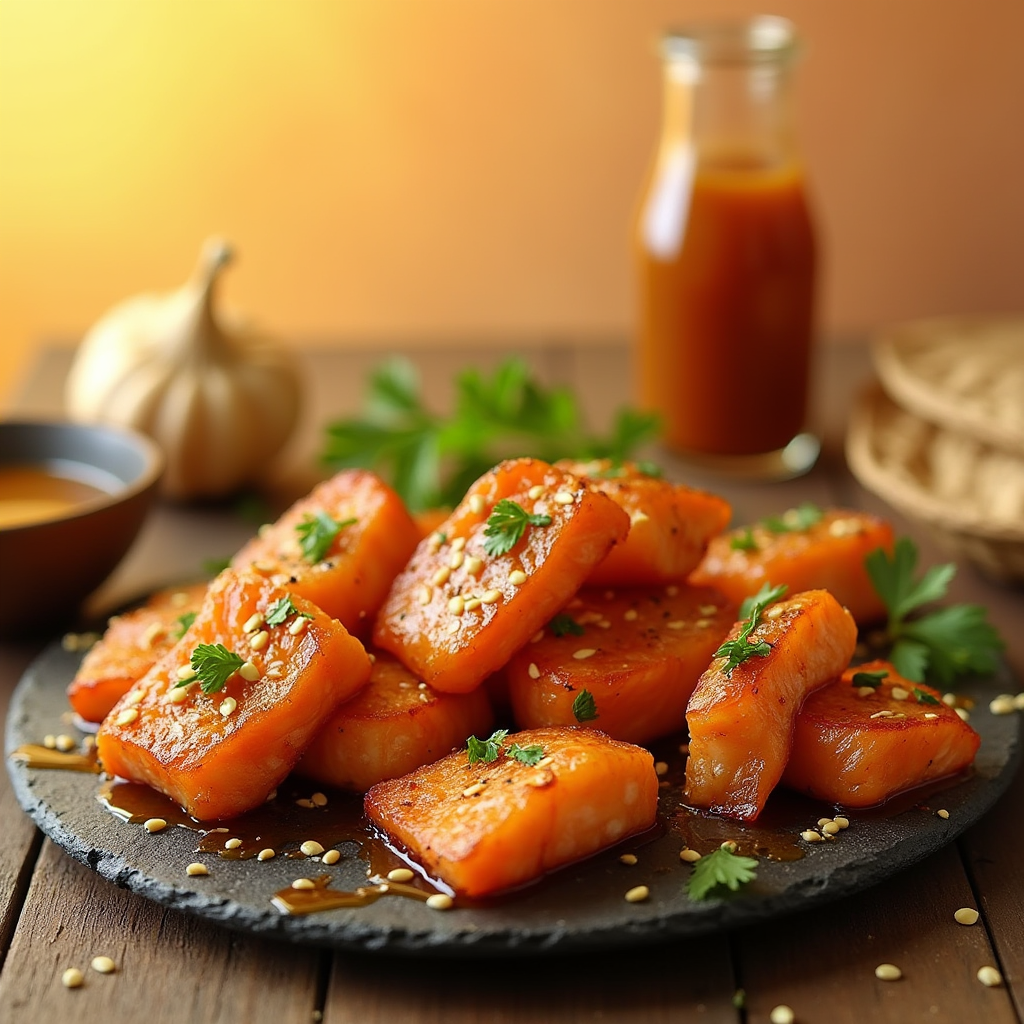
{"points": [[33, 492]]}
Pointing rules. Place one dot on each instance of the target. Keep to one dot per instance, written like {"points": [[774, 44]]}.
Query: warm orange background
{"points": [[402, 169]]}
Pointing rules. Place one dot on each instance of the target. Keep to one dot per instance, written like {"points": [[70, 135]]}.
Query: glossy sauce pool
{"points": [[34, 492]]}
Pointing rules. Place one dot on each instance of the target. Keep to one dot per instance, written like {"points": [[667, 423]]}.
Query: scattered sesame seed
{"points": [[544, 762], [298, 625], [930, 715], [319, 800], [126, 717], [476, 504], [311, 848], [1018, 701], [440, 578], [629, 859], [154, 824], [782, 1014], [440, 901], [842, 822], [435, 542], [72, 978], [729, 845], [966, 915], [942, 813], [949, 699], [830, 828], [963, 713], [196, 869], [898, 693], [810, 836], [1004, 704], [103, 965], [708, 609], [638, 516], [272, 795], [304, 802], [259, 640], [584, 652], [532, 671], [331, 857], [824, 821], [865, 691], [453, 627], [477, 787], [540, 779], [456, 560], [184, 671], [153, 630], [689, 856], [774, 612], [989, 977], [401, 875], [676, 624], [424, 595], [65, 744], [233, 844], [457, 604], [50, 741], [490, 596], [637, 894], [227, 706], [888, 972], [265, 855], [844, 527], [661, 767], [249, 672], [458, 544], [535, 492], [517, 577], [252, 623], [303, 883], [630, 614], [883, 714], [473, 565]]}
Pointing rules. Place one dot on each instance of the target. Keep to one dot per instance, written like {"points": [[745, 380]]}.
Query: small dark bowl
{"points": [[49, 566]]}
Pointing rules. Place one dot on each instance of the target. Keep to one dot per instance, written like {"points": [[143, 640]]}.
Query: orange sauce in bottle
{"points": [[726, 309]]}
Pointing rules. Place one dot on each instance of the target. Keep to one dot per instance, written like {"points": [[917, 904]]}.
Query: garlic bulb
{"points": [[220, 401]]}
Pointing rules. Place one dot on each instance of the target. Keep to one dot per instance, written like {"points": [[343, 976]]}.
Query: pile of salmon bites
{"points": [[589, 605]]}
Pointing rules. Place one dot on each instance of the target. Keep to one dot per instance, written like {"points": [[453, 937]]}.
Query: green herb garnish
{"points": [[794, 520], [744, 541], [722, 867], [528, 755], [872, 679], [506, 525], [923, 697], [946, 643], [431, 460], [317, 533], [584, 707], [741, 649], [565, 625], [486, 750], [281, 610], [182, 623], [213, 665]]}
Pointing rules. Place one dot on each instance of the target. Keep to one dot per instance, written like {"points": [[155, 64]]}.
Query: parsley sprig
{"points": [[872, 679], [506, 525], [316, 534], [793, 520], [431, 460], [722, 867], [280, 611], [584, 707], [213, 665], [740, 649], [530, 755], [943, 644], [489, 750]]}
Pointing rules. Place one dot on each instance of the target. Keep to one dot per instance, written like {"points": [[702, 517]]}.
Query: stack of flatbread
{"points": [[941, 435]]}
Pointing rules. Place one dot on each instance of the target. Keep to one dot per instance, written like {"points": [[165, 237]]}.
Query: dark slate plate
{"points": [[579, 908]]}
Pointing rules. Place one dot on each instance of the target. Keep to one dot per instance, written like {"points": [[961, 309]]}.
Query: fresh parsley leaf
{"points": [[281, 610], [528, 755], [506, 525], [741, 649], [744, 541], [182, 623], [317, 533], [910, 659], [960, 641], [893, 579], [584, 707], [486, 750], [215, 566], [794, 520], [923, 697], [564, 624], [872, 679], [722, 867], [213, 665]]}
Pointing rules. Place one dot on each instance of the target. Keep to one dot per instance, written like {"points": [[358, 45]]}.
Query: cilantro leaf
{"points": [[213, 665], [722, 867], [182, 623], [744, 541], [923, 697], [872, 679], [506, 525], [486, 750], [910, 659], [960, 640], [564, 624], [528, 755], [893, 579], [740, 649], [584, 707], [317, 533], [281, 610]]}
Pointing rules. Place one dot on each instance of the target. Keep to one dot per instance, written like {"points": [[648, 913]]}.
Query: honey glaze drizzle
{"points": [[321, 897], [35, 755]]}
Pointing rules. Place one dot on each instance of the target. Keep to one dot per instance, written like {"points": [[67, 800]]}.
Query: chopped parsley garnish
{"points": [[584, 707], [182, 623], [722, 867], [872, 679], [794, 520], [923, 697], [280, 611], [744, 541], [317, 533], [952, 641], [741, 649], [565, 625], [213, 665], [506, 525], [486, 750], [528, 755]]}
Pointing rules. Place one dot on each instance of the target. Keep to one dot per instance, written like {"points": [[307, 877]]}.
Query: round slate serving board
{"points": [[578, 908]]}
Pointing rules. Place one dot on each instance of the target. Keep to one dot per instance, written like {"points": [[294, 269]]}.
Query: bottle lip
{"points": [[762, 39]]}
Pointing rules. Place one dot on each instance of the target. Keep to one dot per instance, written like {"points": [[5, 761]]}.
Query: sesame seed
{"points": [[154, 824], [942, 813], [637, 516], [535, 492], [265, 855], [453, 627], [517, 577], [227, 706], [630, 614], [304, 802], [637, 894], [824, 821], [65, 743], [898, 693], [472, 603], [689, 856], [888, 972], [930, 714], [331, 857], [629, 859], [774, 612], [456, 560], [810, 836], [473, 565], [458, 544], [882, 714], [544, 762], [844, 527], [457, 605], [1004, 704], [949, 699], [50, 741], [830, 828], [583, 653], [153, 630], [184, 671], [966, 915], [311, 848], [259, 640], [303, 883], [252, 623], [842, 822], [676, 624], [424, 595], [1018, 701], [72, 978], [476, 504], [865, 691], [661, 767], [989, 977], [177, 696], [963, 714], [477, 787], [263, 567], [126, 717], [440, 578], [400, 875], [319, 800], [298, 625], [435, 542], [195, 869], [729, 845], [541, 779], [782, 1014], [103, 965], [490, 596], [440, 901], [249, 672]]}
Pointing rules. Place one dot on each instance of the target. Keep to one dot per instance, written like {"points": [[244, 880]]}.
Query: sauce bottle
{"points": [[725, 253]]}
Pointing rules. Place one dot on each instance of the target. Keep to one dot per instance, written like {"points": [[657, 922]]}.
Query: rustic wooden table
{"points": [[55, 912]]}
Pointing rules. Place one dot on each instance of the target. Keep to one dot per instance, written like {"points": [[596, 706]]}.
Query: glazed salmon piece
{"points": [[857, 745], [456, 613], [221, 753], [828, 554], [670, 524], [392, 726], [365, 536], [741, 722], [638, 651], [485, 827], [132, 644]]}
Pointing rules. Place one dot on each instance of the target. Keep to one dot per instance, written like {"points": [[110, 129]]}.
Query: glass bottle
{"points": [[726, 255]]}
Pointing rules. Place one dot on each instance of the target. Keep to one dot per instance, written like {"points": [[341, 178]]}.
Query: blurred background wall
{"points": [[394, 170]]}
